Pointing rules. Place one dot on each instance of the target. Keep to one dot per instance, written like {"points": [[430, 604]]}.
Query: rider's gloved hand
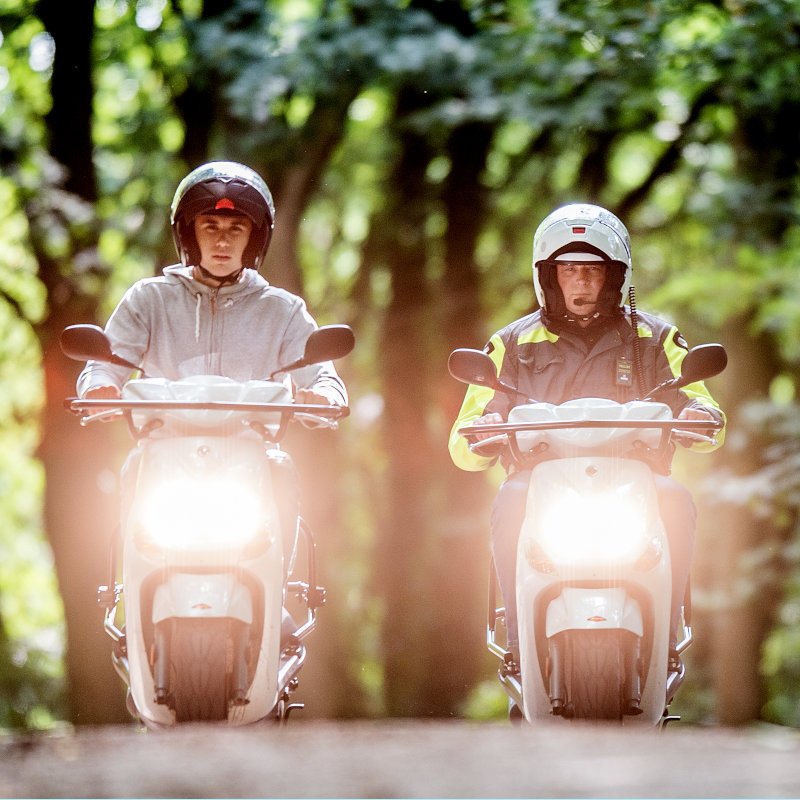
{"points": [[487, 419], [688, 438]]}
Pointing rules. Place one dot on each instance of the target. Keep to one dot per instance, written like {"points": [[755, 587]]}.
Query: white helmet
{"points": [[581, 232]]}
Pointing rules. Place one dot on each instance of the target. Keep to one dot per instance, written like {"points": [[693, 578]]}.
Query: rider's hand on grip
{"points": [[104, 393], [487, 419], [688, 438], [489, 443], [311, 397]]}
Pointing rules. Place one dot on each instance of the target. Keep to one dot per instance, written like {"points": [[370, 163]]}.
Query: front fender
{"points": [[213, 596], [593, 609]]}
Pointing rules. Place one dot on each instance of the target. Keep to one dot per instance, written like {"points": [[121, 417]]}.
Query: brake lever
{"points": [[692, 437], [316, 421], [101, 416], [491, 446]]}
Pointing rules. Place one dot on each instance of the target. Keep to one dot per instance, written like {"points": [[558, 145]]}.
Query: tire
{"points": [[199, 651], [515, 715], [596, 674]]}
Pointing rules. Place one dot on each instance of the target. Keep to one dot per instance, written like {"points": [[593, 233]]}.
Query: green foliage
{"points": [[487, 701], [775, 492], [31, 616], [25, 54]]}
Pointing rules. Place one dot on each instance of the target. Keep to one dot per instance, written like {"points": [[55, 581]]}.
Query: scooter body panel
{"points": [[568, 587], [241, 583], [202, 597]]}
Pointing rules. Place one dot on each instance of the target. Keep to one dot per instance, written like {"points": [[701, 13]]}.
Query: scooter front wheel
{"points": [[596, 673], [199, 661]]}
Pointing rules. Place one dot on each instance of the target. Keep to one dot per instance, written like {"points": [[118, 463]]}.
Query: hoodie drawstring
{"points": [[197, 317]]}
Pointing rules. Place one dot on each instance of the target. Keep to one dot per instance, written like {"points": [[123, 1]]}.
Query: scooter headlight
{"points": [[201, 515], [594, 529]]}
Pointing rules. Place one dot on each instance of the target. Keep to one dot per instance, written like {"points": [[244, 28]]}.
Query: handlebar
{"points": [[76, 405], [312, 414], [502, 435], [661, 424]]}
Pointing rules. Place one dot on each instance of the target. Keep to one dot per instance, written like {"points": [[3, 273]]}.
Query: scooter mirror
{"points": [[324, 344], [475, 366], [329, 343], [701, 362], [90, 343]]}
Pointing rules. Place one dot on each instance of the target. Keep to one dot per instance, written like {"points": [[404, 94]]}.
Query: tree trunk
{"points": [[411, 600], [81, 511], [295, 180], [746, 603], [752, 595], [460, 534], [78, 514]]}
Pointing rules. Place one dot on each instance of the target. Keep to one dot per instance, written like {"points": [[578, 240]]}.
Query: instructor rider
{"points": [[584, 341]]}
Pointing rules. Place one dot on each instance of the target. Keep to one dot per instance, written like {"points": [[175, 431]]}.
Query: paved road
{"points": [[402, 759]]}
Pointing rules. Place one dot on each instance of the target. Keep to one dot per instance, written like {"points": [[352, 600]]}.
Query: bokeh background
{"points": [[412, 146]]}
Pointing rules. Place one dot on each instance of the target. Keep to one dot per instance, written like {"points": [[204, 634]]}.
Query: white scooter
{"points": [[593, 583], [206, 564]]}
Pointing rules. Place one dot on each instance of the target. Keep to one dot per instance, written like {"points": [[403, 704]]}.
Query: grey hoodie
{"points": [[176, 327]]}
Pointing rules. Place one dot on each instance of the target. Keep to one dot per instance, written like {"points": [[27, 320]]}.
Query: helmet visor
{"points": [[230, 198]]}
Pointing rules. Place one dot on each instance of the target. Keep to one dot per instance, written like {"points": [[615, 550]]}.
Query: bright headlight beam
{"points": [[200, 514], [596, 528]]}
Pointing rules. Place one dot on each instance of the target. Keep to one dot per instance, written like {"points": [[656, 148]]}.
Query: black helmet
{"points": [[222, 187]]}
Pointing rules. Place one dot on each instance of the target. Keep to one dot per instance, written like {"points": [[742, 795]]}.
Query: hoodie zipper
{"points": [[213, 300]]}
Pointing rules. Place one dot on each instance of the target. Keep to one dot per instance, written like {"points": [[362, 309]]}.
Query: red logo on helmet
{"points": [[224, 203], [580, 230]]}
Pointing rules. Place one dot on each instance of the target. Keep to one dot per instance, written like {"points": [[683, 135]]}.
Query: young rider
{"points": [[214, 314], [583, 342]]}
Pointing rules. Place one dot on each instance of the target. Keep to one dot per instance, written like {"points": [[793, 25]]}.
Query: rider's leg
{"points": [[508, 513], [679, 515]]}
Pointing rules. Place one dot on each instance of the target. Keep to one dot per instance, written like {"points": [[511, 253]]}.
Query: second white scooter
{"points": [[593, 576]]}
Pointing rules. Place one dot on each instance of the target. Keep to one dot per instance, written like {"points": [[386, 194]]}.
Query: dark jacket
{"points": [[554, 365]]}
